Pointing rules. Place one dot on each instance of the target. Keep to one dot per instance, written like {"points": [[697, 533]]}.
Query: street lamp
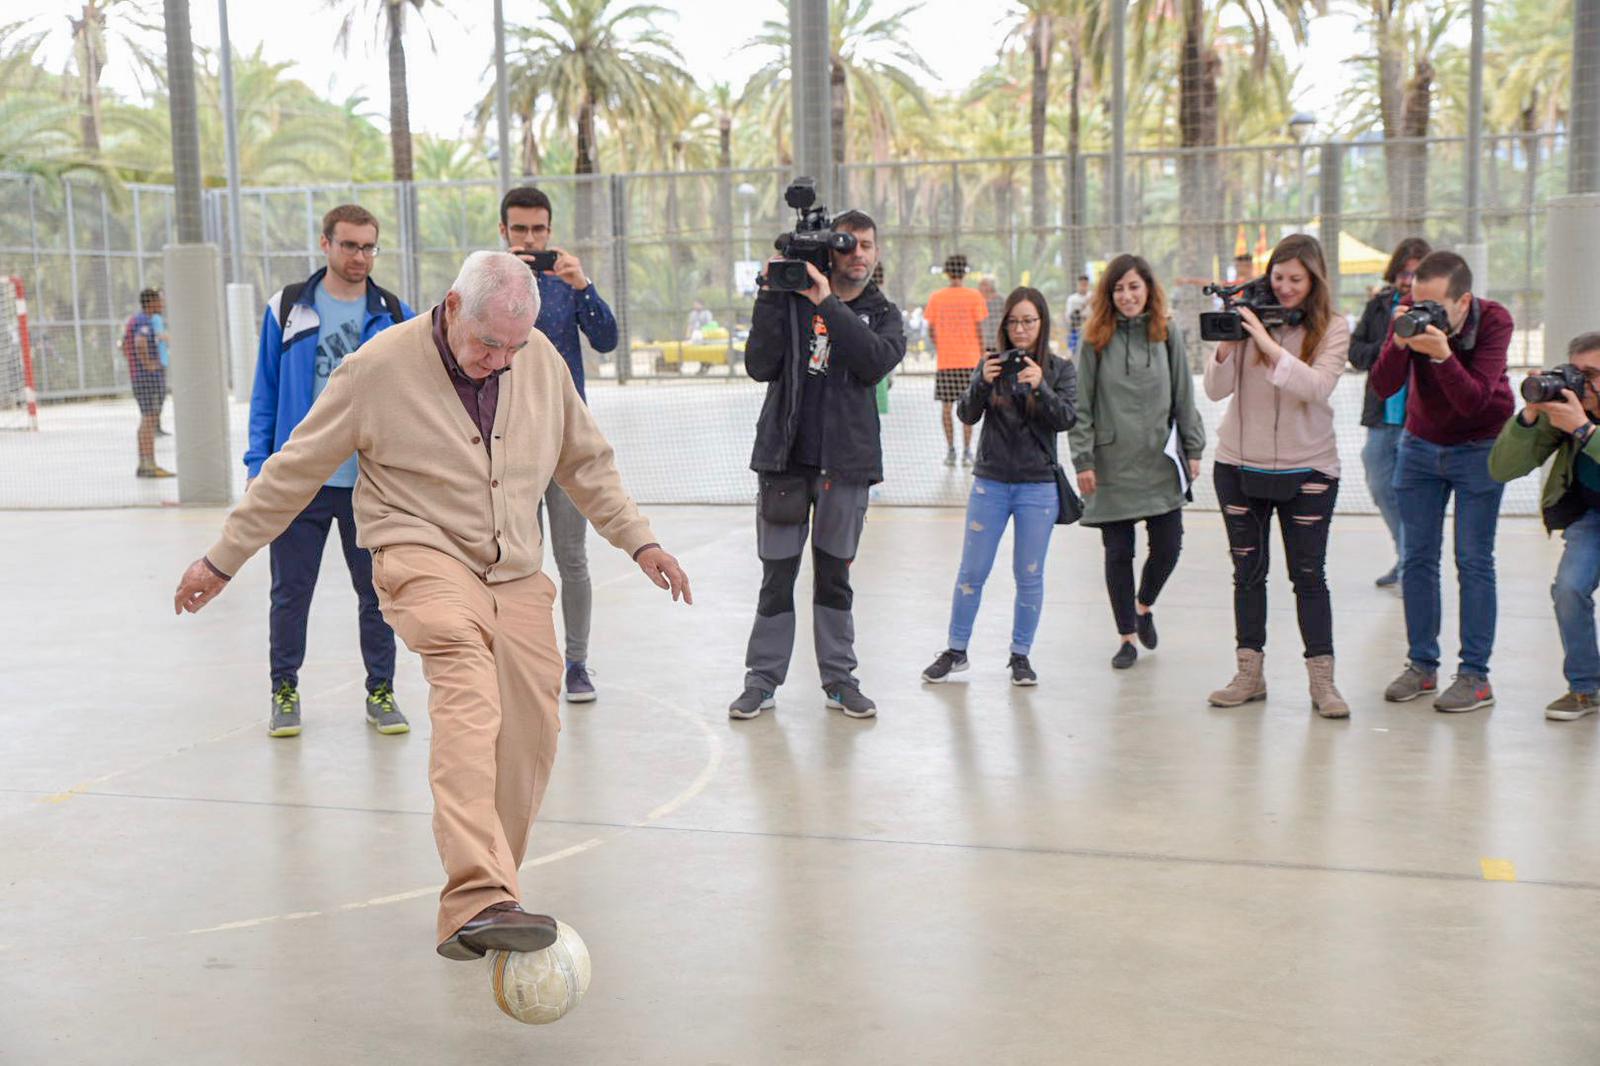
{"points": [[747, 195], [1300, 126]]}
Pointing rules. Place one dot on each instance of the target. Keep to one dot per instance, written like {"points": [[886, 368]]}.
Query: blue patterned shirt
{"points": [[563, 311]]}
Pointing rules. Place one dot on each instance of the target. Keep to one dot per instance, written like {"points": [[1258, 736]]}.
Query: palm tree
{"points": [[36, 138], [866, 55], [391, 28], [1398, 75]]}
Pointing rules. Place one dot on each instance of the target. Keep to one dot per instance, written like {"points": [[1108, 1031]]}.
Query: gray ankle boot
{"points": [[1325, 698], [1247, 685]]}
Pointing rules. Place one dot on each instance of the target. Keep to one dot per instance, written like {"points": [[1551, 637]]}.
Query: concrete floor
{"points": [[1102, 870]]}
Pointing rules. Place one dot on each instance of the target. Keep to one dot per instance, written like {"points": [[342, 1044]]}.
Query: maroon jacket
{"points": [[1465, 398]]}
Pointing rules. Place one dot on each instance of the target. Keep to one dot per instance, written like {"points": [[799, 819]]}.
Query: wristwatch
{"points": [[1583, 433]]}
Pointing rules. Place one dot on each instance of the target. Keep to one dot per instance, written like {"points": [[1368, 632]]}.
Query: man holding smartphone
{"points": [[568, 303]]}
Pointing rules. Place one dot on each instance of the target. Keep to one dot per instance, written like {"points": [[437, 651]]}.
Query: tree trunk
{"points": [[399, 102], [88, 42], [1391, 48], [1077, 195], [725, 202], [839, 98], [530, 147], [1197, 185], [1041, 47], [1415, 109]]}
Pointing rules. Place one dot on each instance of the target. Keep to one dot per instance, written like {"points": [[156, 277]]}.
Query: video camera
{"points": [[811, 241], [1256, 294]]}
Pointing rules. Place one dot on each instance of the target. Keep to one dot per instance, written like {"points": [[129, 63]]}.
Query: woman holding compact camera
{"points": [[1024, 396], [1137, 399], [1276, 453]]}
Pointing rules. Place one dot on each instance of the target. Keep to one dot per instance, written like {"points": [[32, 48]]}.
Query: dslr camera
{"points": [[1256, 294], [1547, 385], [811, 241], [1011, 364], [1418, 317]]}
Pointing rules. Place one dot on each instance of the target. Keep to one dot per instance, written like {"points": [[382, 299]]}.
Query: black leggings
{"points": [[1164, 534], [1303, 522]]}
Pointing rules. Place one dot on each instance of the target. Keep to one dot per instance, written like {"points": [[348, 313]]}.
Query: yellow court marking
{"points": [[1498, 869]]}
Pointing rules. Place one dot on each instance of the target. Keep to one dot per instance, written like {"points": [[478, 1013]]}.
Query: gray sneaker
{"points": [[285, 712], [1467, 692], [751, 702], [1572, 706], [848, 698], [1413, 681], [384, 713]]}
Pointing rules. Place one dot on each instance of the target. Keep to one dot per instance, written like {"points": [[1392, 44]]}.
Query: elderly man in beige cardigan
{"points": [[460, 418]]}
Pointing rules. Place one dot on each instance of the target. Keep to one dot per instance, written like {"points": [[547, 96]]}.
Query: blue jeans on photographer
{"points": [[1032, 506], [1573, 592], [1378, 457]]}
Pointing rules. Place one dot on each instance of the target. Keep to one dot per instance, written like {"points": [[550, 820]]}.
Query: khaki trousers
{"points": [[494, 681]]}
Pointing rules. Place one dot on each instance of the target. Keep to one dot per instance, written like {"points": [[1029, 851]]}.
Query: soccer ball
{"points": [[538, 987]]}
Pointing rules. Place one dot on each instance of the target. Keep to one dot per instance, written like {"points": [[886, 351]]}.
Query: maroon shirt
{"points": [[1463, 399], [480, 398]]}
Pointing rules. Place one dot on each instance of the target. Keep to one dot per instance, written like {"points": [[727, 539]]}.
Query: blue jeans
{"points": [[1573, 593], [1033, 505], [1425, 476], [1378, 457]]}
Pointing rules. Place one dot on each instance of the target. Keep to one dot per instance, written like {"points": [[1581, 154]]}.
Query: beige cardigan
{"points": [[1287, 409], [425, 476]]}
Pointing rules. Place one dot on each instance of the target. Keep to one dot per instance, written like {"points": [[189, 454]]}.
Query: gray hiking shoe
{"points": [[848, 698], [285, 712], [751, 702], [1413, 681], [1572, 706], [1467, 692], [384, 713]]}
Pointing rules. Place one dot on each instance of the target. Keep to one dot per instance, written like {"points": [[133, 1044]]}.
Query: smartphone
{"points": [[539, 262]]}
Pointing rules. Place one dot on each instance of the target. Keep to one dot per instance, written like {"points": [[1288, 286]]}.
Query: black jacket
{"points": [[1010, 448], [866, 341], [1366, 344]]}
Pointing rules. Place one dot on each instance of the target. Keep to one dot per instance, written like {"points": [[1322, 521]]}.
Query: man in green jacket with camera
{"points": [[1564, 425]]}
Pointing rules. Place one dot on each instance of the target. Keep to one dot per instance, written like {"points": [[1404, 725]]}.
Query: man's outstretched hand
{"points": [[199, 586], [664, 570]]}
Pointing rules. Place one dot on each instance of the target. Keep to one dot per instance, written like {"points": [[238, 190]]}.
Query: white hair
{"points": [[498, 278]]}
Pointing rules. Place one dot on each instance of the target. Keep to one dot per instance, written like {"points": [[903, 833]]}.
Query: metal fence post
{"points": [[72, 269], [1332, 212], [619, 270]]}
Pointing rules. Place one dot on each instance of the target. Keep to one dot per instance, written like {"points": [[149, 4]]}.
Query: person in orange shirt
{"points": [[953, 314]]}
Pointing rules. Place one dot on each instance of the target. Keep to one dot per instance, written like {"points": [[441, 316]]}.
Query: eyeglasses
{"points": [[352, 248], [1406, 275], [1022, 323], [519, 230]]}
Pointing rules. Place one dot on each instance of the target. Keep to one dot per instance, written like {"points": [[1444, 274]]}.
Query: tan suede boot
{"points": [[1325, 698], [1247, 685]]}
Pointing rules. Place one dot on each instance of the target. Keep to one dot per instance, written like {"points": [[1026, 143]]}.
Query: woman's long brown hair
{"points": [[1318, 304], [1103, 311]]}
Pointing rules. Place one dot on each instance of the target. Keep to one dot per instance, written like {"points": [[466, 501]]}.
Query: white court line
{"points": [[701, 781]]}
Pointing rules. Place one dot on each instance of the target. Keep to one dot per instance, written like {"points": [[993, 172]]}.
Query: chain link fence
{"points": [[659, 245]]}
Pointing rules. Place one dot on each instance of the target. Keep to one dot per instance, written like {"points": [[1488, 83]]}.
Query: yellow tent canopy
{"points": [[1358, 257]]}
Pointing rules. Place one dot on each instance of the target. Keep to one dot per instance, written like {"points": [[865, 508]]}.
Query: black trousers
{"points": [[1303, 523], [1164, 543], [296, 560]]}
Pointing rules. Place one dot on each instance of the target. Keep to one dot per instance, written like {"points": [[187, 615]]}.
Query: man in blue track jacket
{"points": [[308, 329]]}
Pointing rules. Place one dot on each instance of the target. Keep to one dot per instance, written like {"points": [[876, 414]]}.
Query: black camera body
{"points": [[1547, 385], [1419, 316], [1011, 364], [539, 262], [1256, 294], [812, 240]]}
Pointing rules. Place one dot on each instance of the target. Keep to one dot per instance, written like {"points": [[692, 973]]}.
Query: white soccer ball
{"points": [[539, 987]]}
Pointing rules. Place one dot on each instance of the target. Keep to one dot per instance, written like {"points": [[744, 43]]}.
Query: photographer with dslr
{"points": [[1449, 348], [821, 341], [568, 303], [1385, 417], [1024, 396], [1563, 405], [1276, 452]]}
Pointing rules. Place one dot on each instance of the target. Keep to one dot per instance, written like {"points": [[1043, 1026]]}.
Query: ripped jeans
{"points": [[1033, 506], [1303, 521]]}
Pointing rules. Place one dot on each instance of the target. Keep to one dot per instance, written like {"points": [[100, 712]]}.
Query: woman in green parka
{"points": [[1136, 423]]}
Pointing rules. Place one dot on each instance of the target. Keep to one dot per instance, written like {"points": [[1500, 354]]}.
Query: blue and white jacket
{"points": [[286, 363]]}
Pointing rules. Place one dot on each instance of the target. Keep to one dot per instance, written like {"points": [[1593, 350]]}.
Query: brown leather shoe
{"points": [[500, 927]]}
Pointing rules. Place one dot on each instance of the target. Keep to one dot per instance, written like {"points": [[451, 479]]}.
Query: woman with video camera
{"points": [[1137, 399], [1276, 452], [1024, 396]]}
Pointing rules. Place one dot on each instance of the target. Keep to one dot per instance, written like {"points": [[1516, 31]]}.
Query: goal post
{"points": [[19, 400]]}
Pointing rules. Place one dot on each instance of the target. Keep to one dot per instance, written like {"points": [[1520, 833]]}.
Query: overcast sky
{"points": [[957, 37]]}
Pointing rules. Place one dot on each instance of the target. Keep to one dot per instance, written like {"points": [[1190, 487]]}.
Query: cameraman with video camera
{"points": [[1559, 419], [1449, 348], [821, 339]]}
